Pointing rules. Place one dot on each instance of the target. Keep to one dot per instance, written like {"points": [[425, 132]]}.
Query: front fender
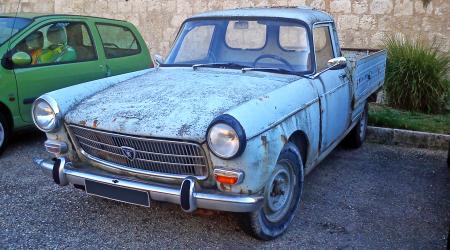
{"points": [[269, 121]]}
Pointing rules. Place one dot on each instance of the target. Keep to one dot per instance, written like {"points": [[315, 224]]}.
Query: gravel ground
{"points": [[377, 197]]}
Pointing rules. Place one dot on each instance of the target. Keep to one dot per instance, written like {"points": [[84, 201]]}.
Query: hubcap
{"points": [[2, 134], [278, 195]]}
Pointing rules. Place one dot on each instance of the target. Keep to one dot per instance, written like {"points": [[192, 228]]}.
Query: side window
{"points": [[118, 41], [59, 43], [322, 47], [246, 35], [195, 44]]}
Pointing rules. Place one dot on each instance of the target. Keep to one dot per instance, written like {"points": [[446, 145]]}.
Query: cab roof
{"points": [[306, 14]]}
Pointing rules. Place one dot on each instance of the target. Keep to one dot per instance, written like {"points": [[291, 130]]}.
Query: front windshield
{"points": [[253, 43], [9, 26]]}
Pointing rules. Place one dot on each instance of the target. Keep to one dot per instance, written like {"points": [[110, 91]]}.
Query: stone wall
{"points": [[361, 23]]}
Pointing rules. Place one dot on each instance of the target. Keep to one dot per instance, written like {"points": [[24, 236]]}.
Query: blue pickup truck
{"points": [[246, 104]]}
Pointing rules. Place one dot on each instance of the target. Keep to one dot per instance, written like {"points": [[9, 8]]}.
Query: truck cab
{"points": [[41, 53]]}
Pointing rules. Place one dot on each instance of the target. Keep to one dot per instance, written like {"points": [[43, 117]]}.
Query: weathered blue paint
{"points": [[180, 103]]}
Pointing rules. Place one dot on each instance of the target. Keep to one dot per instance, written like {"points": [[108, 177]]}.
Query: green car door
{"points": [[124, 49], [62, 53]]}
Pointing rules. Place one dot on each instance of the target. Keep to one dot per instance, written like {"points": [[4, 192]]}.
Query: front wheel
{"points": [[282, 196], [4, 133], [357, 135]]}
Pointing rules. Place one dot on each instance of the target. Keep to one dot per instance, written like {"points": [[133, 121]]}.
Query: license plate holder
{"points": [[117, 193]]}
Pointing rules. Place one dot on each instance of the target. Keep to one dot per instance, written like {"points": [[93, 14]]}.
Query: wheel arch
{"points": [[7, 113], [300, 139]]}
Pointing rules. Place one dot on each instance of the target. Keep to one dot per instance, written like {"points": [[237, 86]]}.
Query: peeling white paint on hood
{"points": [[172, 102]]}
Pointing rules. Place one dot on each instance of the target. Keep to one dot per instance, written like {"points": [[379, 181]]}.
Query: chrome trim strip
{"points": [[140, 151], [150, 161], [333, 90], [137, 170]]}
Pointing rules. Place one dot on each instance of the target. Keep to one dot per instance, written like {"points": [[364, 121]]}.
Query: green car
{"points": [[41, 53]]}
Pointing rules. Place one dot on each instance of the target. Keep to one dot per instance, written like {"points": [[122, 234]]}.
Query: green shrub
{"points": [[417, 75]]}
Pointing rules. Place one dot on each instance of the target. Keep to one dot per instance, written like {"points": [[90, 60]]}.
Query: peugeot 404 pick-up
{"points": [[41, 52], [246, 103]]}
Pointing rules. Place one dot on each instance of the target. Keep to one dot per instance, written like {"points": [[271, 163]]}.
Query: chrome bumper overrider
{"points": [[63, 174]]}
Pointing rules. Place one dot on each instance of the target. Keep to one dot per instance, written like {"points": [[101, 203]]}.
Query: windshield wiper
{"points": [[218, 65], [273, 70]]}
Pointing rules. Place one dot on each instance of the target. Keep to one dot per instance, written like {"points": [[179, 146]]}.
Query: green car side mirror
{"points": [[21, 59]]}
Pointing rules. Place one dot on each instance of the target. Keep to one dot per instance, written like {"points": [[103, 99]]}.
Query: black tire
{"points": [[266, 223], [357, 135], [448, 156], [5, 132]]}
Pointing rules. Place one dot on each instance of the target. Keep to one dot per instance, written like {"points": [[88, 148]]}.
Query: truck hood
{"points": [[172, 102]]}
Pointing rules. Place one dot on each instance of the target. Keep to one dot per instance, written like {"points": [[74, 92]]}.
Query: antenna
{"points": [[14, 23]]}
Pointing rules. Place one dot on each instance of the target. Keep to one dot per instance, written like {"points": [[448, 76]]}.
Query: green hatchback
{"points": [[41, 53]]}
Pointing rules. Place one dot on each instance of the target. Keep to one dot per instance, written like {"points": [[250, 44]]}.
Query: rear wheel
{"points": [[357, 135], [4, 132], [281, 197]]}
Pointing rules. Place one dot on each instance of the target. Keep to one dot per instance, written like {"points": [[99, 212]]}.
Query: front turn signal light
{"points": [[229, 177]]}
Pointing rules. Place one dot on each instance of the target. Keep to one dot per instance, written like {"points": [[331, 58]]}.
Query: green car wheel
{"points": [[4, 133]]}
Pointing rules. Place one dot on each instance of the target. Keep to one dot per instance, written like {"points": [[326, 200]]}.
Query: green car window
{"points": [[118, 41], [59, 43], [9, 26]]}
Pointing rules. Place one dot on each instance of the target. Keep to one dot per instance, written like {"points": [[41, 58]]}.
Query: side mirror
{"points": [[158, 60], [21, 59], [337, 63]]}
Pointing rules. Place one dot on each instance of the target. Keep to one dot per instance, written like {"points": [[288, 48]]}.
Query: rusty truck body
{"points": [[246, 104]]}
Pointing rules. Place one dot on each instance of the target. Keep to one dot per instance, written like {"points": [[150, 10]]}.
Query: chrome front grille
{"points": [[166, 158]]}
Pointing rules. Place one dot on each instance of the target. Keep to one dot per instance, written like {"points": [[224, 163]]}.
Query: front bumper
{"points": [[189, 195]]}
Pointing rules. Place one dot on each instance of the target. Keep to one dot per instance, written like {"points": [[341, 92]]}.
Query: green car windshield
{"points": [[253, 43], [9, 26]]}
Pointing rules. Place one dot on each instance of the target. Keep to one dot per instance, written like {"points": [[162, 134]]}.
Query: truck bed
{"points": [[366, 70]]}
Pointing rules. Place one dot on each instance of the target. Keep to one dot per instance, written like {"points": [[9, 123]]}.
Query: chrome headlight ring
{"points": [[226, 137], [46, 114]]}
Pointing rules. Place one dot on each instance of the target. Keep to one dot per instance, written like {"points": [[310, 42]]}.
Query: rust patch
{"points": [[95, 124], [225, 187], [264, 141], [184, 130], [264, 97], [284, 139]]}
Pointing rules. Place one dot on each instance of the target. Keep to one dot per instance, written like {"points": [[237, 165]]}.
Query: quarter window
{"points": [[322, 47], [118, 41], [196, 44], [59, 43]]}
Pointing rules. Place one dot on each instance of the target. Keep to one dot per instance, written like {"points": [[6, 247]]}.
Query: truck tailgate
{"points": [[367, 71]]}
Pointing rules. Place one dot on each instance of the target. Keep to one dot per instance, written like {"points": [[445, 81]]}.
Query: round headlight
{"points": [[44, 115], [226, 138]]}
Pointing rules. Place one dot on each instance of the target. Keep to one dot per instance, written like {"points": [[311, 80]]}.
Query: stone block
{"points": [[381, 7], [403, 8], [340, 6]]}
